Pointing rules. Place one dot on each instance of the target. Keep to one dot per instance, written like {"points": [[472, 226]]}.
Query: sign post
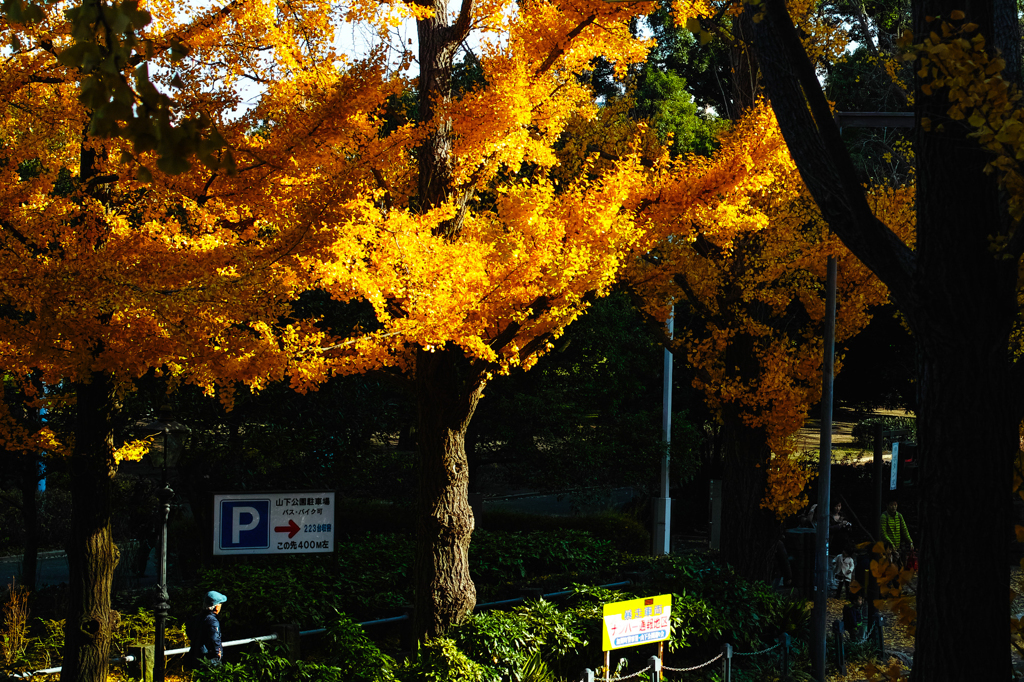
{"points": [[637, 621], [894, 466], [273, 523]]}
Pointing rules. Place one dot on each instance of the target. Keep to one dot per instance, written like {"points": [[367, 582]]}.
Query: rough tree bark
{"points": [[447, 392], [960, 302], [447, 389], [91, 552]]}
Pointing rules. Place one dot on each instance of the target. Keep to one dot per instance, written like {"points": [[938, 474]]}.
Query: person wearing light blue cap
{"points": [[204, 631]]}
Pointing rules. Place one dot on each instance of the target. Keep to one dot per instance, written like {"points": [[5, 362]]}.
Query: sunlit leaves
{"points": [[954, 60]]}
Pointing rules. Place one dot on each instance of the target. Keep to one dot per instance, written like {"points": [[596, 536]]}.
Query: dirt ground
{"points": [[843, 421], [899, 643]]}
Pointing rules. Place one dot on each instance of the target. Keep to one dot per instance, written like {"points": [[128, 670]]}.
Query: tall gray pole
{"points": [[663, 504], [163, 606], [822, 513]]}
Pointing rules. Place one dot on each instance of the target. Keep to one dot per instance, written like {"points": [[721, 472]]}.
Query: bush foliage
{"points": [[536, 641], [864, 430]]}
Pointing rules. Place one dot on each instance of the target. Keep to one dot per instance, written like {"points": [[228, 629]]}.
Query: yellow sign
{"points": [[637, 621]]}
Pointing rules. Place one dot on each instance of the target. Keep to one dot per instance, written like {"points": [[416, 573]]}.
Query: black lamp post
{"points": [[163, 454]]}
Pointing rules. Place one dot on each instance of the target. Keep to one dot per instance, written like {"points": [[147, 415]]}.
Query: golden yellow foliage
{"points": [[954, 59], [747, 279]]}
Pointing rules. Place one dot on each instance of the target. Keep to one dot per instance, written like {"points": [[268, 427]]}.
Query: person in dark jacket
{"points": [[204, 631], [853, 614]]}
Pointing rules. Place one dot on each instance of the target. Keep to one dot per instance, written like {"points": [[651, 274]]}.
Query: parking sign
{"points": [[273, 523]]}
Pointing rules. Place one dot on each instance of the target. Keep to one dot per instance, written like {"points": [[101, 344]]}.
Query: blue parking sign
{"points": [[273, 522], [244, 524]]}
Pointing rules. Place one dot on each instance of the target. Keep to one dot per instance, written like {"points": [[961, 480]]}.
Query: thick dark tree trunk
{"points": [[968, 409], [960, 300], [748, 531], [91, 552], [447, 391], [967, 435]]}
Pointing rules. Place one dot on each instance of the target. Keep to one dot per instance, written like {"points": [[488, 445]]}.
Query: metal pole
{"points": [[662, 532], [823, 512], [785, 657], [163, 606], [877, 465], [727, 662], [840, 647], [655, 664], [871, 585]]}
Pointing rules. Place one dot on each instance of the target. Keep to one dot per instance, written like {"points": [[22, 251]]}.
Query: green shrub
{"points": [[440, 660], [263, 666], [259, 596], [367, 578], [375, 573], [864, 430], [494, 557], [139, 628], [715, 603], [518, 643], [624, 531], [347, 648]]}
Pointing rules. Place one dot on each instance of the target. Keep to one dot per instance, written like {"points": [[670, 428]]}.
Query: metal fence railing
{"points": [[658, 668], [318, 631]]}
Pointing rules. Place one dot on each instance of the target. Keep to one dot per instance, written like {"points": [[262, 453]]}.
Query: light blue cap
{"points": [[213, 597]]}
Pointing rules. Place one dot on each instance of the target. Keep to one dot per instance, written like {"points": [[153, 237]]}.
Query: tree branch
{"points": [[821, 156], [461, 27], [560, 50]]}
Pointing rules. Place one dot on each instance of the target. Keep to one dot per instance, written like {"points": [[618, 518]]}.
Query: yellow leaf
{"points": [[957, 15]]}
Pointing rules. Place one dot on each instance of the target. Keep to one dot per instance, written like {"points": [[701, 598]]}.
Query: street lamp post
{"points": [[170, 433]]}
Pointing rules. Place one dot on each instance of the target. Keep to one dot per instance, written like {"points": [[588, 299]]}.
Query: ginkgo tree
{"points": [[472, 250], [749, 306], [106, 279], [749, 312], [127, 258]]}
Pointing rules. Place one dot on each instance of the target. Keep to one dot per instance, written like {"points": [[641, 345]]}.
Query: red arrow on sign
{"points": [[292, 528]]}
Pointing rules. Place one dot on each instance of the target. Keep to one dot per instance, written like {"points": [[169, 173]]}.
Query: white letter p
{"points": [[236, 525]]}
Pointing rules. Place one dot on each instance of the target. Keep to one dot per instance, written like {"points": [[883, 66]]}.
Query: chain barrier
{"points": [[757, 653], [616, 679], [867, 634], [686, 670]]}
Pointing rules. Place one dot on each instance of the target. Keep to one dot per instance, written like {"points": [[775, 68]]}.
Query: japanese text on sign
{"points": [[638, 621], [273, 523]]}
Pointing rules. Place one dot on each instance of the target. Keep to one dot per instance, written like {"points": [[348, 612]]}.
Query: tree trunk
{"points": [[91, 552], [960, 301], [447, 392], [967, 436], [969, 405], [748, 532]]}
